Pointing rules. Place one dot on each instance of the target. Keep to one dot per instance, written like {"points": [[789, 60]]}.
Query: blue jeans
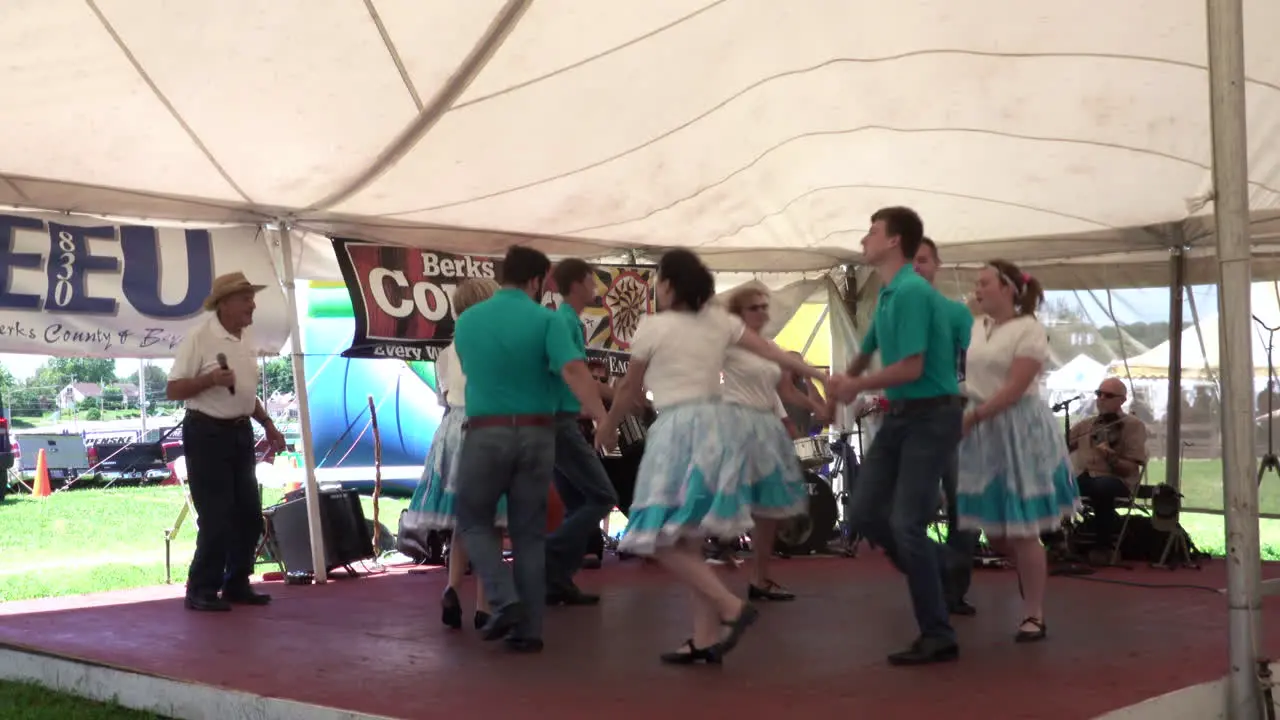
{"points": [[961, 546], [896, 499], [516, 462], [588, 497]]}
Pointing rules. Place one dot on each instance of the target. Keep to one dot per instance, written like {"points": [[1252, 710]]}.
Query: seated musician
{"points": [[1110, 451], [806, 410]]}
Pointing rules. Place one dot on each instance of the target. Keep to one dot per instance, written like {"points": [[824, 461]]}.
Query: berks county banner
{"points": [[79, 287], [402, 301]]}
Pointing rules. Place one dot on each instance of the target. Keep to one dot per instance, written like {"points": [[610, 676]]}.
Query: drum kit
{"points": [[812, 532]]}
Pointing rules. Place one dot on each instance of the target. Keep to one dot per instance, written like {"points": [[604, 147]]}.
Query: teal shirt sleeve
{"points": [[869, 343], [912, 317], [561, 349]]}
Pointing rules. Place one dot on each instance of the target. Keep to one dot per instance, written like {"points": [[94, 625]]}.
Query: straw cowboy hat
{"points": [[229, 284]]}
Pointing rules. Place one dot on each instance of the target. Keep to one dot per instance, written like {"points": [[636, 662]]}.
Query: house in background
{"points": [[72, 395]]}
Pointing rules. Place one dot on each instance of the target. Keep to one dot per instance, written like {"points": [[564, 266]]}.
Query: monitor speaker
{"points": [[346, 534]]}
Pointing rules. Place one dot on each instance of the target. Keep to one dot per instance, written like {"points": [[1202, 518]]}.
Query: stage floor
{"points": [[375, 645]]}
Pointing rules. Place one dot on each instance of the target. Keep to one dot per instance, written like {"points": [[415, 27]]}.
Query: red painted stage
{"points": [[375, 645]]}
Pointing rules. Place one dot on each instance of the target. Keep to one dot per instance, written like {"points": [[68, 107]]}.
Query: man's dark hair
{"points": [[570, 271], [904, 223], [523, 264], [933, 247]]}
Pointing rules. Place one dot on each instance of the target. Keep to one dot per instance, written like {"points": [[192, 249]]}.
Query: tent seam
{"points": [[155, 89]]}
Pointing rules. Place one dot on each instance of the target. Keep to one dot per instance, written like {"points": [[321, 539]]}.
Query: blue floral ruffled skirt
{"points": [[1015, 476], [770, 465], [434, 500], [692, 481]]}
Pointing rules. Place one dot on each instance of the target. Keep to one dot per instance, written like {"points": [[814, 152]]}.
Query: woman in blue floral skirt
{"points": [[1015, 479]]}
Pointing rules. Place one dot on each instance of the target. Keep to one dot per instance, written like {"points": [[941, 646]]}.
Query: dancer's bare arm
{"points": [[1022, 372], [626, 395], [766, 349], [584, 387]]}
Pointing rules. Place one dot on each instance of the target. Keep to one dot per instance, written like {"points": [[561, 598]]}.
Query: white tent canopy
{"points": [[760, 133]]}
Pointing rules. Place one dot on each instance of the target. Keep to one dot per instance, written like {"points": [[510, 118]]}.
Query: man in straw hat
{"points": [[216, 375]]}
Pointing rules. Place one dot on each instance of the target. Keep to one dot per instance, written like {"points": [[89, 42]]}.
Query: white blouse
{"points": [[453, 384], [685, 353], [752, 381], [993, 348]]}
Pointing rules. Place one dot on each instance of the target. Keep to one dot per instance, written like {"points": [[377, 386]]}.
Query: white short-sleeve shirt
{"points": [[198, 354], [453, 384], [752, 381], [685, 353], [993, 348]]}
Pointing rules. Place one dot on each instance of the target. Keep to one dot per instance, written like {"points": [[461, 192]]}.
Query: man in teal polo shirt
{"points": [[962, 544], [897, 491], [581, 481], [515, 355]]}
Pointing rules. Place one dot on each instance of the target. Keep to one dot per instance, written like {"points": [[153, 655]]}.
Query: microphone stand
{"points": [[1064, 407]]}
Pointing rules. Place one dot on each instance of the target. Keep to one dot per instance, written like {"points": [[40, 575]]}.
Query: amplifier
{"points": [[346, 534]]}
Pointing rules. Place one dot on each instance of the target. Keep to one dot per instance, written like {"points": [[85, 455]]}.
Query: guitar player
{"points": [[1110, 450]]}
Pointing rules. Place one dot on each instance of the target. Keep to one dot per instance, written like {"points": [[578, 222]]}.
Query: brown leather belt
{"points": [[489, 421], [204, 417]]}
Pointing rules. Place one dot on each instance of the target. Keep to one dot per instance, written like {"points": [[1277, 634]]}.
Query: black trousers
{"points": [[224, 489]]}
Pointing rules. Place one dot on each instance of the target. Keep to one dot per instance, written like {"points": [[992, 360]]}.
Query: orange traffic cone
{"points": [[41, 488]]}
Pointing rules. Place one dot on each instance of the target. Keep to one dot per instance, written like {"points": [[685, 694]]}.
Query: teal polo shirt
{"points": [[512, 351], [912, 318], [567, 315]]}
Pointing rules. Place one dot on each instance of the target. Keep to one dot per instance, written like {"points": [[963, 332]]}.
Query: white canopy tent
{"points": [[1073, 137]]}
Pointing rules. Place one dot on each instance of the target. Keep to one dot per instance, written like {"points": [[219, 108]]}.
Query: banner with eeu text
{"points": [[80, 287], [402, 299]]}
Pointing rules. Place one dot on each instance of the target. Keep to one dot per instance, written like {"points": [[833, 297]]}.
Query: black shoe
{"points": [[926, 650], [206, 603], [770, 590], [502, 622], [481, 619], [1039, 633], [451, 609], [246, 596], [591, 562], [523, 645], [694, 655], [571, 595], [737, 628], [962, 607]]}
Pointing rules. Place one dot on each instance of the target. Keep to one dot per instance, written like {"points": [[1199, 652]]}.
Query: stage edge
{"points": [[172, 698]]}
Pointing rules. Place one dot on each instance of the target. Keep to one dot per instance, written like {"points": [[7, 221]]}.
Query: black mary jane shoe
{"points": [[693, 655], [481, 619], [1025, 636], [769, 590], [737, 627], [451, 609]]}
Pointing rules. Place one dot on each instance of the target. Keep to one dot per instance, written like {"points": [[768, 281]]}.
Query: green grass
{"points": [[92, 540], [22, 701]]}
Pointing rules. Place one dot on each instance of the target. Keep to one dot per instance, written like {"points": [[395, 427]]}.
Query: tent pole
{"points": [[1240, 490], [1173, 417], [314, 526]]}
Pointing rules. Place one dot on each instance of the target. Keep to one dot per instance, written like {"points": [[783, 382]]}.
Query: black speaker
{"points": [[346, 534]]}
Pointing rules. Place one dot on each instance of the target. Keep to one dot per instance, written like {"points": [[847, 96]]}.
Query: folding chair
{"points": [[1140, 501]]}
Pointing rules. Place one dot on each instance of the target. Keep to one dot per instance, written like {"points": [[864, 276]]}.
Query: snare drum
{"points": [[813, 452]]}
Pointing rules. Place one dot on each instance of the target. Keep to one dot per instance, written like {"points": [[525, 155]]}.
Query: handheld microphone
{"points": [[222, 363]]}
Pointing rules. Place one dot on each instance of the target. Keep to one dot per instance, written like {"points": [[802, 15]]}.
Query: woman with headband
{"points": [[1014, 480]]}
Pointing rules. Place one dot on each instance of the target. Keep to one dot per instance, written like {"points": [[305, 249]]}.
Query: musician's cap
{"points": [[229, 284]]}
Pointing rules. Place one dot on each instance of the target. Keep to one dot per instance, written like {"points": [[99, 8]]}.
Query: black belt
{"points": [[913, 405], [228, 422], [488, 421]]}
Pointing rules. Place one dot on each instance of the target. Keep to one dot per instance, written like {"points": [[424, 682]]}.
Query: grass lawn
{"points": [[91, 540], [31, 702]]}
